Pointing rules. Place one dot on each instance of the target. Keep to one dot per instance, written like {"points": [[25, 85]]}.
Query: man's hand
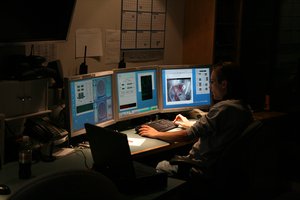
{"points": [[183, 121]]}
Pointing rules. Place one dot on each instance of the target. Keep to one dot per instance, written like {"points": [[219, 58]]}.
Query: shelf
{"points": [[28, 115]]}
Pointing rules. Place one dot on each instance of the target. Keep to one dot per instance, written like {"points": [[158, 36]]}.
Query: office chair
{"points": [[246, 169], [72, 184]]}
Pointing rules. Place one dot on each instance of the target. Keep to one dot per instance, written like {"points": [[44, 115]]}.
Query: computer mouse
{"points": [[4, 189], [137, 129]]}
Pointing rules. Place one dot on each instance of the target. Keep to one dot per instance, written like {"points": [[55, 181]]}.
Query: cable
{"points": [[84, 156]]}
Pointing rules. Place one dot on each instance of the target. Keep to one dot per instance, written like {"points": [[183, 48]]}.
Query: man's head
{"points": [[226, 81]]}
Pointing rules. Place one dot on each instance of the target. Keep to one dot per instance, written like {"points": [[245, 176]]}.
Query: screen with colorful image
{"points": [[184, 87], [137, 93], [90, 100]]}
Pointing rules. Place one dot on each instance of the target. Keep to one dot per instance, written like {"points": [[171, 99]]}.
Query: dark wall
{"points": [[258, 39], [270, 52]]}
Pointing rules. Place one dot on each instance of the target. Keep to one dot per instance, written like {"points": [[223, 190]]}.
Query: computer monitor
{"points": [[35, 21], [89, 99], [184, 87], [136, 91]]}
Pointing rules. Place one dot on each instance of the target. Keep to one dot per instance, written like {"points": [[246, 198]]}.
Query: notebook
{"points": [[111, 155]]}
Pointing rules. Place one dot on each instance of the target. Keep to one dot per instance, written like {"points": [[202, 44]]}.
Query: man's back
{"points": [[224, 122]]}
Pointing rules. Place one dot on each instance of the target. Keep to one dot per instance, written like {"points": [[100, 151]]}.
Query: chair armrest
{"points": [[187, 167], [184, 161]]}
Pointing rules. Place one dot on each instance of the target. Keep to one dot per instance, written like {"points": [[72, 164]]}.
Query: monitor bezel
{"points": [[132, 69], [69, 120], [57, 38], [184, 108]]}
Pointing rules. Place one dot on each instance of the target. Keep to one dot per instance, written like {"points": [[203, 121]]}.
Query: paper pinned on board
{"points": [[112, 46], [92, 38]]}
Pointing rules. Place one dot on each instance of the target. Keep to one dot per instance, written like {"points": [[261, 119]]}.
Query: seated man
{"points": [[226, 119]]}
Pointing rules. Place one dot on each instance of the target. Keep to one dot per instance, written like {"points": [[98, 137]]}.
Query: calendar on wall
{"points": [[143, 27]]}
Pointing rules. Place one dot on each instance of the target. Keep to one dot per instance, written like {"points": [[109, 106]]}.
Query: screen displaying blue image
{"points": [[136, 92], [91, 101], [185, 87]]}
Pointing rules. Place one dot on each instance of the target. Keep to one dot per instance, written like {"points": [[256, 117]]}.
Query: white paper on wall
{"points": [[92, 38]]}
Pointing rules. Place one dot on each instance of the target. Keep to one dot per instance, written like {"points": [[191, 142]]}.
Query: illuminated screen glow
{"points": [[185, 87], [91, 101], [136, 92]]}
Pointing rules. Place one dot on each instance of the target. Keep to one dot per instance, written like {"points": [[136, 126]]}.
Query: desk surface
{"points": [[149, 146], [82, 158], [267, 115], [79, 159]]}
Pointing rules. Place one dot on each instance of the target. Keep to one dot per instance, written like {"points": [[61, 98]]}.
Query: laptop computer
{"points": [[111, 155]]}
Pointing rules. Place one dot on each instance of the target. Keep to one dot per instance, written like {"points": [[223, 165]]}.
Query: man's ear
{"points": [[224, 83]]}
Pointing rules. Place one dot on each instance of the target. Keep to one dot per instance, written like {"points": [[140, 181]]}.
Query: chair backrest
{"points": [[71, 184], [233, 163], [246, 165], [230, 174], [248, 168]]}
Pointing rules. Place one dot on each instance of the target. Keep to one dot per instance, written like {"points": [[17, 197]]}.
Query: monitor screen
{"points": [[89, 99], [33, 20], [184, 87], [137, 92]]}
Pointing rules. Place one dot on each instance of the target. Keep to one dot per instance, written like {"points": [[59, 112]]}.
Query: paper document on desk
{"points": [[136, 141], [63, 152]]}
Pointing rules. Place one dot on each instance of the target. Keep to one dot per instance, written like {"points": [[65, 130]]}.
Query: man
{"points": [[226, 119]]}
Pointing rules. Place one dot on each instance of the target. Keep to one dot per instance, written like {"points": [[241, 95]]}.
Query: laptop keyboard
{"points": [[160, 125]]}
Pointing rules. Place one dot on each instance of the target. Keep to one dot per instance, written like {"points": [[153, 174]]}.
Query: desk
{"points": [[268, 115], [75, 160], [151, 146], [148, 145]]}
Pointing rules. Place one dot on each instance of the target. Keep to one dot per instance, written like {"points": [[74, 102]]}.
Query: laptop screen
{"points": [[110, 151], [112, 157]]}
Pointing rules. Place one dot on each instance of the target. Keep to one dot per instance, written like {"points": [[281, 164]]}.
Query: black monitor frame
{"points": [[35, 21]]}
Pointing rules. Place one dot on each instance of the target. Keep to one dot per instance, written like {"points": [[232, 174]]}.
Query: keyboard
{"points": [[160, 125]]}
